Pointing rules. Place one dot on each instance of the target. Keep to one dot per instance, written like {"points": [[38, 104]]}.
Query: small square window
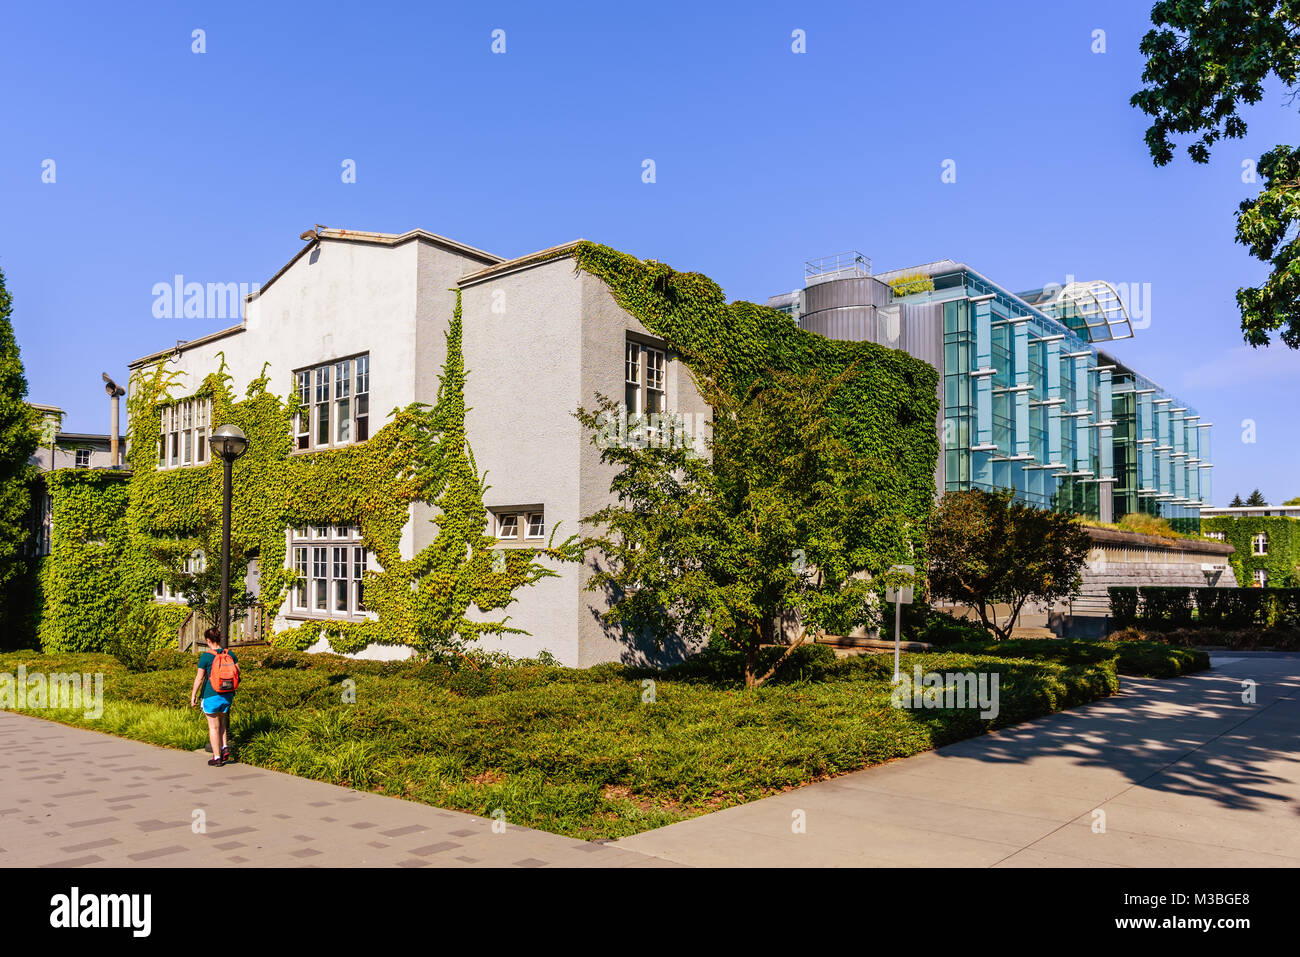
{"points": [[536, 525], [508, 525], [83, 458]]}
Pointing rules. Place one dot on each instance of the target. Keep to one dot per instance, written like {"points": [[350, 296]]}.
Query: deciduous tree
{"points": [[987, 549], [1206, 59], [772, 526]]}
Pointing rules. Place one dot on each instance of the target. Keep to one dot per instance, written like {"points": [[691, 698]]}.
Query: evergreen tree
{"points": [[18, 440], [1256, 498], [1236, 502]]}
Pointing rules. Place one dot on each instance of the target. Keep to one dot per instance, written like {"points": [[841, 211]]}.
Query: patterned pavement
{"points": [[76, 798]]}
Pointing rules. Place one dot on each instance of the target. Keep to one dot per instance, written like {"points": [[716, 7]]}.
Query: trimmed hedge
{"points": [[1134, 657], [1165, 608]]}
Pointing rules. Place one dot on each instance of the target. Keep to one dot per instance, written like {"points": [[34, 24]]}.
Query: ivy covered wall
{"points": [[886, 411], [1282, 563], [81, 585]]}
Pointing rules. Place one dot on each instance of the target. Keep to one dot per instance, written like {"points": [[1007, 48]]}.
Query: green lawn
{"points": [[577, 752]]}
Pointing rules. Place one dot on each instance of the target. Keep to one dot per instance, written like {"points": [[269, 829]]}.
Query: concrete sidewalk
{"points": [[71, 797], [1184, 773]]}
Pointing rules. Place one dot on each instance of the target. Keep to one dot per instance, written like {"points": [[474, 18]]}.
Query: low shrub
{"points": [[721, 663], [942, 629]]}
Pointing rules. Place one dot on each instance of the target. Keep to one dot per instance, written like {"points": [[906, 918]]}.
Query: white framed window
{"points": [[656, 392], [632, 378], [302, 421], [1217, 536], [517, 523], [336, 404], [1259, 544], [194, 563], [1261, 578], [300, 571], [329, 563], [183, 433], [83, 458], [645, 379]]}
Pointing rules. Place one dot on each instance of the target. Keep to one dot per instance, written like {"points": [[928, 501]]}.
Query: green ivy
{"points": [[886, 409], [119, 533], [1282, 563], [81, 583]]}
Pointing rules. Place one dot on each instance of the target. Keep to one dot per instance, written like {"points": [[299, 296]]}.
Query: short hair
{"points": [[213, 635]]}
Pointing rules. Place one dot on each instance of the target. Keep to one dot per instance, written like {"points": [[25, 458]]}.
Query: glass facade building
{"points": [[1029, 402]]}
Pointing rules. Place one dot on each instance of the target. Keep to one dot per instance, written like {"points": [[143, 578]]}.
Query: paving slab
{"points": [[76, 798]]}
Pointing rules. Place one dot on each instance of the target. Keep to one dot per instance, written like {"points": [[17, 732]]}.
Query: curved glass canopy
{"points": [[1092, 309]]}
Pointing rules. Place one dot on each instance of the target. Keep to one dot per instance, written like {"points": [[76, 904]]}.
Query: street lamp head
{"points": [[229, 442]]}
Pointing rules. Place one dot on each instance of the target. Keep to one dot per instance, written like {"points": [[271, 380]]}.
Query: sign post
{"points": [[900, 597]]}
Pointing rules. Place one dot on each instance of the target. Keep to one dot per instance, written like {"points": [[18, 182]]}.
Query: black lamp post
{"points": [[230, 443]]}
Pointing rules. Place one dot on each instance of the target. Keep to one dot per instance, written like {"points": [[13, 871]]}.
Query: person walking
{"points": [[218, 679]]}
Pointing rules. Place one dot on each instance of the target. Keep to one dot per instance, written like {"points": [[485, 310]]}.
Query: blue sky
{"points": [[210, 165]]}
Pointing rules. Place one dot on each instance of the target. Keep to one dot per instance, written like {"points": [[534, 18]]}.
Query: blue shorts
{"points": [[217, 703]]}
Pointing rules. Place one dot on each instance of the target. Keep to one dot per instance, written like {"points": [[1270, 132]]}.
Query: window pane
{"points": [[363, 417], [343, 380], [654, 370], [363, 374], [536, 525], [344, 418], [323, 424], [323, 384], [508, 526]]}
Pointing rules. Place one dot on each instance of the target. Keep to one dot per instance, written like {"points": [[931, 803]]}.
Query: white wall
{"points": [[524, 374]]}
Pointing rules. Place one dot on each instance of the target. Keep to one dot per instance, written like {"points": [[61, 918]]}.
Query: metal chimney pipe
{"points": [[115, 393]]}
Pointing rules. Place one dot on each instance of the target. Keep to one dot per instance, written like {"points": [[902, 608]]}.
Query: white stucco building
{"points": [[358, 321]]}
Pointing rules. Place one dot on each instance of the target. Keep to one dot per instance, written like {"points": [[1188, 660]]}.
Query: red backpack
{"points": [[223, 674]]}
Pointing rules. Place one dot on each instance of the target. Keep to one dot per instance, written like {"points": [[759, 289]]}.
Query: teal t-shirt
{"points": [[205, 665]]}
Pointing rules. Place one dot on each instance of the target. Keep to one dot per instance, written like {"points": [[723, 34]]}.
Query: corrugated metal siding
{"points": [[854, 324], [923, 337], [845, 308]]}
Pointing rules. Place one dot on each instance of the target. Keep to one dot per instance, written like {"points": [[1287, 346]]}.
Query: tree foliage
{"points": [[1268, 227], [988, 549], [18, 438], [1206, 59], [776, 529]]}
